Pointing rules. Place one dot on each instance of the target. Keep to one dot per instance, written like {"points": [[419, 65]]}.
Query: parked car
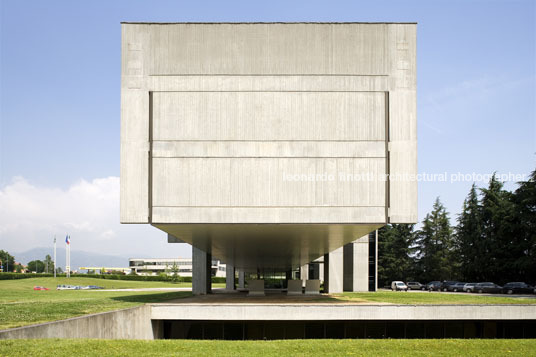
{"points": [[446, 283], [488, 287], [456, 287], [415, 285], [517, 288], [398, 285], [433, 285], [39, 288], [469, 287]]}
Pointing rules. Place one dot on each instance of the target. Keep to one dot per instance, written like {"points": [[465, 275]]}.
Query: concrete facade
{"points": [[268, 144]]}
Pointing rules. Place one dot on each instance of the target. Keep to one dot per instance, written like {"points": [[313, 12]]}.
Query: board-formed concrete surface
{"points": [[133, 323], [331, 311], [217, 121]]}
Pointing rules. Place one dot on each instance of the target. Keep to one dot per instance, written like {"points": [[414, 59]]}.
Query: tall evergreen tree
{"points": [[500, 247], [395, 253], [468, 238], [435, 245], [524, 199]]}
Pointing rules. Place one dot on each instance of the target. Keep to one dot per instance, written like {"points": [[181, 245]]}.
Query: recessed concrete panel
{"points": [[267, 49], [275, 116]]}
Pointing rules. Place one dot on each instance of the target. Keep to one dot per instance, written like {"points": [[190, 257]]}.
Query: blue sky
{"points": [[60, 88]]}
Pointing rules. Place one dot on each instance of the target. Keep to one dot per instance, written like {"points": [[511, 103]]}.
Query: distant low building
{"points": [[155, 266]]}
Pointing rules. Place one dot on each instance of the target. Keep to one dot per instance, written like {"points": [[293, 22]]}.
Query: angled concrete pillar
{"points": [[356, 265], [201, 271], [241, 279], [229, 277], [333, 271]]}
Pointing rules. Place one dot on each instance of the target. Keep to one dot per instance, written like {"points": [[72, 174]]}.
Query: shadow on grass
{"points": [[158, 297]]}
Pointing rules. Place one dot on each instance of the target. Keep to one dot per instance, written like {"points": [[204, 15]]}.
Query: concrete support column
{"points": [[241, 279], [376, 262], [201, 271], [333, 271], [229, 277], [304, 273], [356, 265]]}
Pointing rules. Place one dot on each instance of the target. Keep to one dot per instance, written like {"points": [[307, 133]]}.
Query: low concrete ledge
{"points": [[133, 323], [256, 287], [294, 287], [312, 287], [312, 312]]}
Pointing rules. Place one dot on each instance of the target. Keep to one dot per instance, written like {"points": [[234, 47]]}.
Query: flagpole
{"points": [[67, 256], [54, 256]]}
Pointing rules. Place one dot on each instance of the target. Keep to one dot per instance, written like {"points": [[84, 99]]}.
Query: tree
{"points": [[435, 245], [8, 261], [501, 246], [59, 270], [36, 266], [468, 238], [524, 199], [49, 264], [174, 272], [395, 253]]}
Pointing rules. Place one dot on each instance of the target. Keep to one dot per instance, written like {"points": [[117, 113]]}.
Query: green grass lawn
{"points": [[444, 347], [418, 298], [20, 305]]}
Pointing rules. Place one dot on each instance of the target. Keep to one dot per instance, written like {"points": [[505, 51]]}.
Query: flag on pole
{"points": [[68, 239]]}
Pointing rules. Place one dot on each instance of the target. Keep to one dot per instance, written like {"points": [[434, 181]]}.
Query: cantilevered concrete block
{"points": [[276, 143]]}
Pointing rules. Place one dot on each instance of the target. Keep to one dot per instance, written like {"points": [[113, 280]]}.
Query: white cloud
{"points": [[31, 215]]}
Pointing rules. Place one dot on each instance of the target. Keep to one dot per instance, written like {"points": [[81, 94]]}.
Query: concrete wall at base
{"points": [[256, 287], [134, 323], [333, 312], [294, 287], [312, 287]]}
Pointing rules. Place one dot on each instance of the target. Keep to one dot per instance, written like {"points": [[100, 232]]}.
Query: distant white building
{"points": [[155, 266]]}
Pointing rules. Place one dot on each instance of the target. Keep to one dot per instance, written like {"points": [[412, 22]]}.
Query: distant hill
{"points": [[78, 258]]}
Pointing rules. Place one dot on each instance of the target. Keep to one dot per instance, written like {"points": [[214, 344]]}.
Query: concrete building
{"points": [[270, 145], [155, 266]]}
